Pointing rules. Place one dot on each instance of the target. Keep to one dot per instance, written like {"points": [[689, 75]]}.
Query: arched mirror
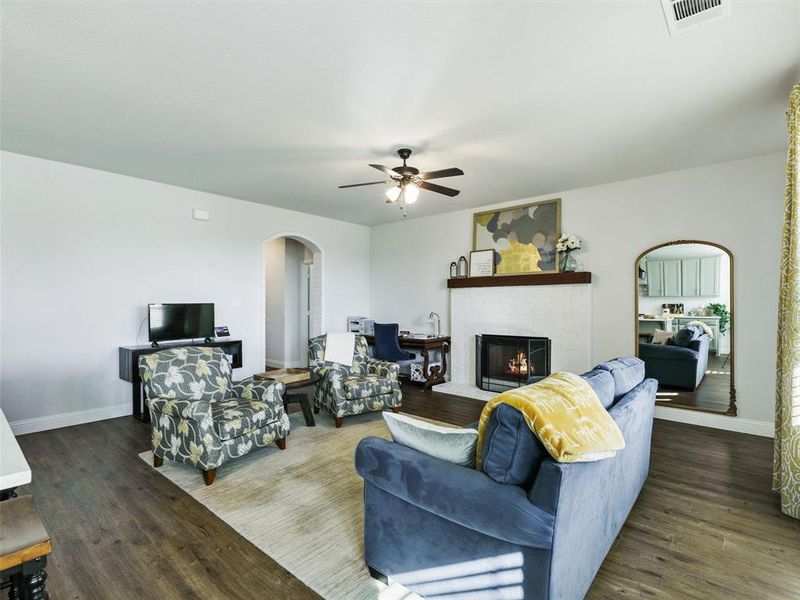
{"points": [[685, 323]]}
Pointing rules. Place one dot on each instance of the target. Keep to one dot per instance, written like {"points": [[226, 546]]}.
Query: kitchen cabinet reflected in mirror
{"points": [[684, 324]]}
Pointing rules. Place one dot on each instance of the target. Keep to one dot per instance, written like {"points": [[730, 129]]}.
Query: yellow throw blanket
{"points": [[565, 414]]}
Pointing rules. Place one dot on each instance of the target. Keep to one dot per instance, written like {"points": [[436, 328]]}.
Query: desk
{"points": [[433, 375], [14, 469], [129, 366]]}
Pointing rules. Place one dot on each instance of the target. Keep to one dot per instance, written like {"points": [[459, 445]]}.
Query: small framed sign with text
{"points": [[481, 263]]}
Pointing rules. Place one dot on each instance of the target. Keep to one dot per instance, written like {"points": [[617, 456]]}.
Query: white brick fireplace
{"points": [[562, 313]]}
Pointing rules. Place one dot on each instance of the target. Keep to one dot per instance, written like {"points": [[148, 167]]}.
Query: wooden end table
{"points": [[302, 392]]}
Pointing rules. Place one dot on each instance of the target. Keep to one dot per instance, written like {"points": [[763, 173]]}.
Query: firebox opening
{"points": [[506, 361]]}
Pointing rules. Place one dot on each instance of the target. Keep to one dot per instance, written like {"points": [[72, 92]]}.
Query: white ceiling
{"points": [[282, 102]]}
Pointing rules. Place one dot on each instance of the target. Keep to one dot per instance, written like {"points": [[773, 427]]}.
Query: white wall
{"points": [[284, 272], [275, 258], [738, 204], [295, 254], [84, 251]]}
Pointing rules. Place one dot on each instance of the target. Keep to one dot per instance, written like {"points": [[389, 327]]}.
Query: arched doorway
{"points": [[291, 298]]}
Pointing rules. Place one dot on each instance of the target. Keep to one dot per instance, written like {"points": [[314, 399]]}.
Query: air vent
{"points": [[685, 14]]}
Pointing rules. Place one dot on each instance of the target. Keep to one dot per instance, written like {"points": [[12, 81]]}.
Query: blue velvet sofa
{"points": [[526, 527], [677, 366]]}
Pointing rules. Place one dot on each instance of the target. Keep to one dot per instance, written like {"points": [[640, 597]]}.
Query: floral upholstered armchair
{"points": [[200, 417], [364, 385]]}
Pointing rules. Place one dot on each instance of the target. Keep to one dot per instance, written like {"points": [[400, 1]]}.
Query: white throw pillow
{"points": [[447, 443], [661, 337]]}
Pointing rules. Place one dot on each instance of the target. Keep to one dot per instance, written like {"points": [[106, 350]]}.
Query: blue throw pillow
{"points": [[512, 453], [684, 337]]}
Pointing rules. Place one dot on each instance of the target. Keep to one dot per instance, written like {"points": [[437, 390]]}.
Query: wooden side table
{"points": [[295, 393], [24, 546]]}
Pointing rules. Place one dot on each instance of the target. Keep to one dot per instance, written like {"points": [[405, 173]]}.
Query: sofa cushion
{"points": [[236, 416], [450, 444], [661, 337], [511, 451], [627, 371], [366, 386], [602, 383]]}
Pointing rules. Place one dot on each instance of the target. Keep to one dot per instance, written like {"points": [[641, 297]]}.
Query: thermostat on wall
{"points": [[201, 214]]}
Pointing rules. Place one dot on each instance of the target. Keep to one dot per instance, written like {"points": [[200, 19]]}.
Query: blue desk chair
{"points": [[387, 346]]}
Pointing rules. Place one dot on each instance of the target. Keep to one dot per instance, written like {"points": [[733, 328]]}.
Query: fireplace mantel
{"points": [[516, 280]]}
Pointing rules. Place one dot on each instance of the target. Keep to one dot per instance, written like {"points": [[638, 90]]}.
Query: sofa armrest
{"points": [[329, 371], [701, 344], [270, 392], [382, 368], [197, 410], [459, 494]]}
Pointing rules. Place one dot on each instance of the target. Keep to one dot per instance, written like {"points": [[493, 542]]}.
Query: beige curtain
{"points": [[786, 475]]}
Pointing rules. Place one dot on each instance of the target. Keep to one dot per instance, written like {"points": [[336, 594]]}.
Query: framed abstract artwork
{"points": [[523, 237]]}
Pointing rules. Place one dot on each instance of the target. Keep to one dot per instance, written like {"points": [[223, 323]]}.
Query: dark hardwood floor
{"points": [[706, 525], [122, 531], [712, 395]]}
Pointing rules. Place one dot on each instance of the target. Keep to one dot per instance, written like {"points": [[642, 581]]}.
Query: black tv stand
{"points": [[129, 365]]}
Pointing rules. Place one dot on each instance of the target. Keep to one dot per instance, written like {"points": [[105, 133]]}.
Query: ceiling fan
{"points": [[407, 181]]}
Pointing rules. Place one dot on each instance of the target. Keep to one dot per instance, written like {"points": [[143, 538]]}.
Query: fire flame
{"points": [[518, 365]]}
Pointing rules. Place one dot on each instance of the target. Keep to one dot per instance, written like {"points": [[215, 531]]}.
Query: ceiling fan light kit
{"points": [[407, 181]]}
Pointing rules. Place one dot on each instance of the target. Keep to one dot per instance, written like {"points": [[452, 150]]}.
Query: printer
{"points": [[361, 325]]}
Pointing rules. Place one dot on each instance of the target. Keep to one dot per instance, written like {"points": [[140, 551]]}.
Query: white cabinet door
{"points": [[672, 278], [655, 277], [690, 277], [709, 276]]}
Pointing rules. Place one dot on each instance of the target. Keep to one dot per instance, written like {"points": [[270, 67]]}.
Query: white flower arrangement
{"points": [[568, 243]]}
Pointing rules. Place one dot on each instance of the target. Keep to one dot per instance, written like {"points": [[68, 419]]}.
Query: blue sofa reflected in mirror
{"points": [[681, 363]]}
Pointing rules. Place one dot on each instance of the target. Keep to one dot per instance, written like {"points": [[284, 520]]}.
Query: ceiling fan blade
{"points": [[360, 184], [386, 170], [442, 173], [439, 189]]}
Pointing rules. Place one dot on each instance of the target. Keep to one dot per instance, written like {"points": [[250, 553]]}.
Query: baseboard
{"points": [[696, 417], [70, 418]]}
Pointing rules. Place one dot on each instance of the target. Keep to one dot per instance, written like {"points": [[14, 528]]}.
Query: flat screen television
{"points": [[180, 321]]}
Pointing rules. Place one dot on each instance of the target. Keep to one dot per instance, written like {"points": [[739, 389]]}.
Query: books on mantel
{"points": [[285, 375]]}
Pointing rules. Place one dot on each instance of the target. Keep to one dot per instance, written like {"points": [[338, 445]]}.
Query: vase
{"points": [[568, 263]]}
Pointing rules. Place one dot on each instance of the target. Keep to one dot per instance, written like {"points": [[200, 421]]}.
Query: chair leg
{"points": [[157, 460], [281, 443], [395, 409], [208, 476], [316, 409], [339, 422]]}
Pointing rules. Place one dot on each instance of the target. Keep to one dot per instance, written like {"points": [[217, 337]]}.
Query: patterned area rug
{"points": [[303, 506]]}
